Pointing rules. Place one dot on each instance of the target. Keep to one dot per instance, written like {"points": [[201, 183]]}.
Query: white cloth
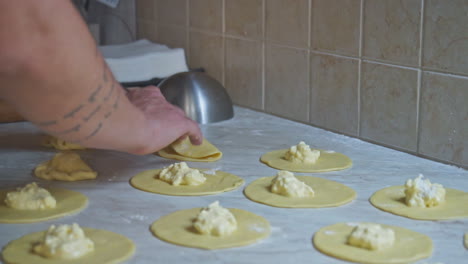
{"points": [[143, 60]]}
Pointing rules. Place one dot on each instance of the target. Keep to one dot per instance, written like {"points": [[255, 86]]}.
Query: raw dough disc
{"points": [[392, 200], [466, 240], [327, 193], [185, 151], [409, 246], [177, 228], [217, 183], [57, 143], [328, 161], [68, 202], [109, 247], [65, 166]]}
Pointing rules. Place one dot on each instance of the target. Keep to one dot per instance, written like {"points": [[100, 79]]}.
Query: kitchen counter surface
{"points": [[116, 206]]}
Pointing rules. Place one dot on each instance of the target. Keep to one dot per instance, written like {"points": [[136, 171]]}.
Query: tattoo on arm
{"points": [[94, 132], [92, 97], [73, 112], [73, 129], [110, 92], [87, 118]]}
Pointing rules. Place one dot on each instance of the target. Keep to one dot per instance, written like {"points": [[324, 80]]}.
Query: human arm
{"points": [[52, 72]]}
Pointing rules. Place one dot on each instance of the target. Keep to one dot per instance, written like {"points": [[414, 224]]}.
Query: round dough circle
{"points": [[392, 200], [109, 247], [177, 228], [220, 182], [68, 202], [327, 193], [169, 153], [328, 161], [409, 246]]}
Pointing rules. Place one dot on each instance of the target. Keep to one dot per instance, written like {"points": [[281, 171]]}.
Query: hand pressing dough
{"points": [[392, 200], [328, 161], [219, 182], [65, 166], [68, 202], [326, 193], [109, 247], [177, 228], [57, 143], [185, 151], [409, 246]]}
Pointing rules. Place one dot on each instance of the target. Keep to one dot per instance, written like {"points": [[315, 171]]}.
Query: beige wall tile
{"points": [[446, 36], [206, 50], [388, 105], [173, 36], [335, 26], [146, 9], [287, 22], [444, 118], [244, 72], [206, 14], [287, 82], [244, 18], [172, 12], [147, 30], [391, 31], [334, 93]]}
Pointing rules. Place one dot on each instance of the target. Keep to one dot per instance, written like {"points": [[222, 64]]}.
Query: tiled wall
{"points": [[387, 71]]}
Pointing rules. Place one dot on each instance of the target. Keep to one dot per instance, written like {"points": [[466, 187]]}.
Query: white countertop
{"points": [[116, 206]]}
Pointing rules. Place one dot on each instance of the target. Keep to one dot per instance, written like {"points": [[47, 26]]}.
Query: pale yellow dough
{"points": [[57, 143], [65, 166], [409, 246], [327, 193], [177, 228], [219, 182], [466, 240], [109, 248], [68, 202], [392, 200], [185, 151], [328, 161]]}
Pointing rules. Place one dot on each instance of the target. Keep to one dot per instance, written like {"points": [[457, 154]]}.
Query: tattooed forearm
{"points": [[108, 114], [87, 118], [92, 97], [73, 129], [110, 92], [94, 132], [116, 103], [47, 123], [73, 112]]}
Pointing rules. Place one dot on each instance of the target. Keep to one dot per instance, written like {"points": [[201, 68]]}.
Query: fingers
{"points": [[194, 133]]}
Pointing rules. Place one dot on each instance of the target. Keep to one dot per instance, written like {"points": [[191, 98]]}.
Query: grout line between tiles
{"points": [[309, 63], [263, 55], [223, 42], [419, 84], [187, 30], [359, 79]]}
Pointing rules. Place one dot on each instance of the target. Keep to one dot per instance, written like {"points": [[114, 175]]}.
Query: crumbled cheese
{"points": [[286, 184], [301, 153], [215, 220], [422, 193], [180, 174], [30, 197], [371, 236], [64, 242]]}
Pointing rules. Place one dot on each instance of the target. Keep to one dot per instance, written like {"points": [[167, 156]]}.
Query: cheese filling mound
{"points": [[180, 174], [30, 197], [64, 242], [215, 220], [286, 184], [301, 153], [422, 193], [372, 237]]}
